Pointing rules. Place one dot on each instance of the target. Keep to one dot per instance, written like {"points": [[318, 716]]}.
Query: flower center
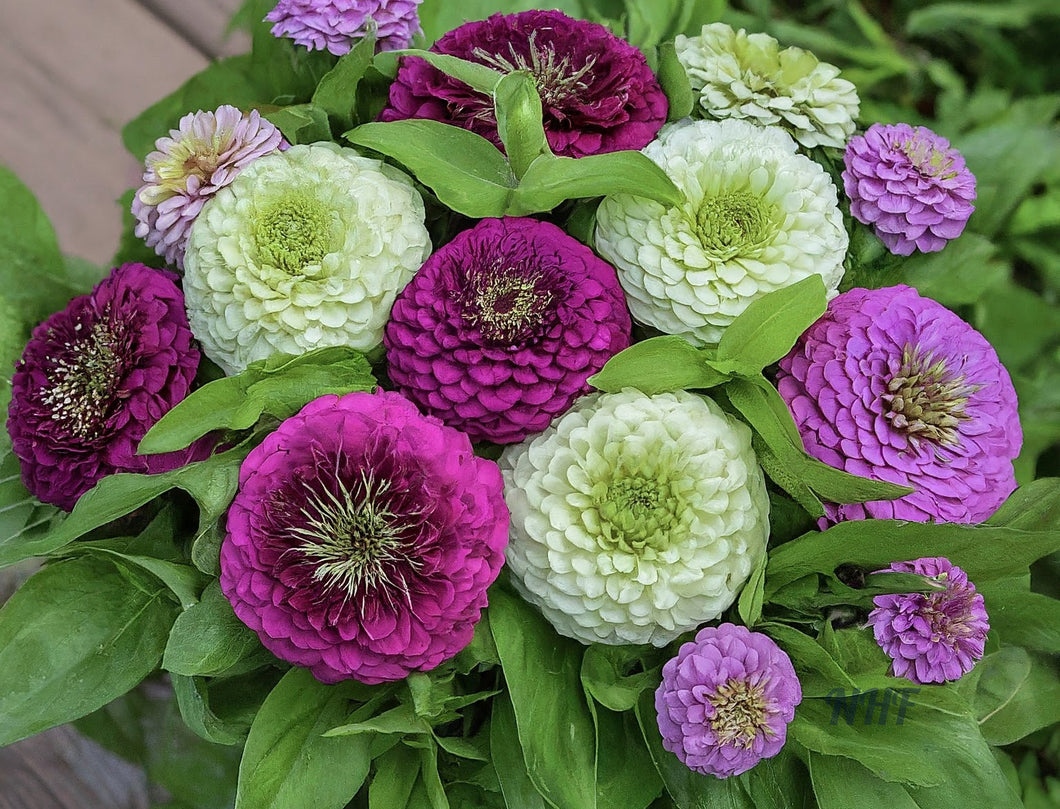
{"points": [[83, 381], [508, 306], [924, 401], [557, 80], [740, 713], [928, 159], [636, 512], [293, 233], [733, 223]]}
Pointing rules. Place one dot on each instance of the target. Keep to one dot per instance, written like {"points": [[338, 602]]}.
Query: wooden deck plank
{"points": [[203, 23]]}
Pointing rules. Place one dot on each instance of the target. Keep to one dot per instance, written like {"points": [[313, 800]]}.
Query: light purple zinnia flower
{"points": [[201, 156], [95, 377], [892, 386], [909, 185], [597, 92], [363, 538], [499, 331], [336, 25], [932, 637], [725, 701]]}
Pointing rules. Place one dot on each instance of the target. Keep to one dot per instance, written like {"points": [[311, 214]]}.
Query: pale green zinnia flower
{"points": [[635, 518], [741, 75], [757, 216], [306, 248]]}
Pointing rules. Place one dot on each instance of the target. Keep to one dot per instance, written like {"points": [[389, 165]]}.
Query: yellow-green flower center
{"points": [[734, 223], [637, 512], [928, 159], [293, 232], [924, 400], [82, 383], [740, 713]]}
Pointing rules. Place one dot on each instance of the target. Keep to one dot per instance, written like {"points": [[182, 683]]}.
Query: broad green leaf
{"points": [[551, 180], [962, 273], [675, 83], [1013, 694], [1021, 618], [23, 519], [75, 636], [819, 673], [752, 595], [287, 763], [395, 775], [519, 120], [781, 782], [626, 774], [208, 638], [475, 75], [767, 329], [836, 779], [507, 754], [184, 581], [464, 170], [555, 724], [605, 677], [1033, 507], [301, 123], [193, 699], [657, 365], [337, 92], [401, 720]]}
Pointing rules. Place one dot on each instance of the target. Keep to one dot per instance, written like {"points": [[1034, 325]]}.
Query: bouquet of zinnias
{"points": [[517, 422]]}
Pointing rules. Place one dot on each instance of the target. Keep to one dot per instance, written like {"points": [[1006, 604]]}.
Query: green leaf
{"points": [[395, 775], [675, 83], [819, 673], [1033, 507], [836, 779], [1031, 620], [287, 763], [184, 581], [301, 123], [752, 596], [464, 170], [519, 124], [475, 75], [555, 724], [551, 180], [337, 92], [657, 365], [75, 636], [606, 678], [208, 639], [767, 329], [626, 774], [518, 790], [960, 274], [401, 720], [1013, 694], [193, 699]]}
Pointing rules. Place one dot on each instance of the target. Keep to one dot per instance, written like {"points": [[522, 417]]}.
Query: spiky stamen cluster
{"points": [[508, 304], [740, 713], [924, 400], [557, 80]]}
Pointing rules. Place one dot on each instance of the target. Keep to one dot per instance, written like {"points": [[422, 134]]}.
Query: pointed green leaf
{"points": [[519, 120], [675, 83], [337, 92], [518, 790], [657, 365], [301, 123], [477, 76]]}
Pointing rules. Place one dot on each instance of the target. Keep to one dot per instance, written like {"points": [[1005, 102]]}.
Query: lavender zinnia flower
{"points": [[501, 328], [725, 701], [336, 25], [895, 387], [94, 378], [597, 91], [932, 637], [909, 185], [363, 538], [201, 156]]}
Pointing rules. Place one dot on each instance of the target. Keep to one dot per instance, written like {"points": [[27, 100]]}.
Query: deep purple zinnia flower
{"points": [[95, 377], [892, 386], [363, 538], [932, 637], [597, 92], [336, 25], [909, 185], [725, 701], [501, 328]]}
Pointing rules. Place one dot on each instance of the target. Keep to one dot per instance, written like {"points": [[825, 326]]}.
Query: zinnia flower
{"points": [[336, 25], [757, 216], [363, 538], [204, 154], [307, 248], [725, 701], [909, 185], [597, 92], [741, 75], [94, 378], [635, 518], [501, 328], [932, 637], [891, 386]]}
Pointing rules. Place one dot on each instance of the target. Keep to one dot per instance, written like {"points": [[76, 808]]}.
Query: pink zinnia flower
{"points": [[597, 91], [908, 184], [726, 700], [336, 25], [892, 386], [363, 538], [201, 156], [95, 377], [499, 331], [932, 637]]}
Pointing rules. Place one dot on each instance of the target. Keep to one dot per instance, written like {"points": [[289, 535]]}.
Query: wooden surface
{"points": [[72, 73]]}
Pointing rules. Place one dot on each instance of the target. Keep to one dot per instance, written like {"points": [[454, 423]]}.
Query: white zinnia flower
{"points": [[306, 248], [635, 518], [741, 75], [757, 216]]}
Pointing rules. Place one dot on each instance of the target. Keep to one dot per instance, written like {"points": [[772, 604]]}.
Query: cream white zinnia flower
{"points": [[635, 518], [741, 75], [306, 248], [757, 216]]}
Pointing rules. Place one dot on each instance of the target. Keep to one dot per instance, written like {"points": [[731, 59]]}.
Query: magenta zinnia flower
{"points": [[363, 538], [725, 701], [932, 637], [501, 328], [891, 386], [201, 156], [909, 185], [94, 378], [336, 25], [597, 91]]}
